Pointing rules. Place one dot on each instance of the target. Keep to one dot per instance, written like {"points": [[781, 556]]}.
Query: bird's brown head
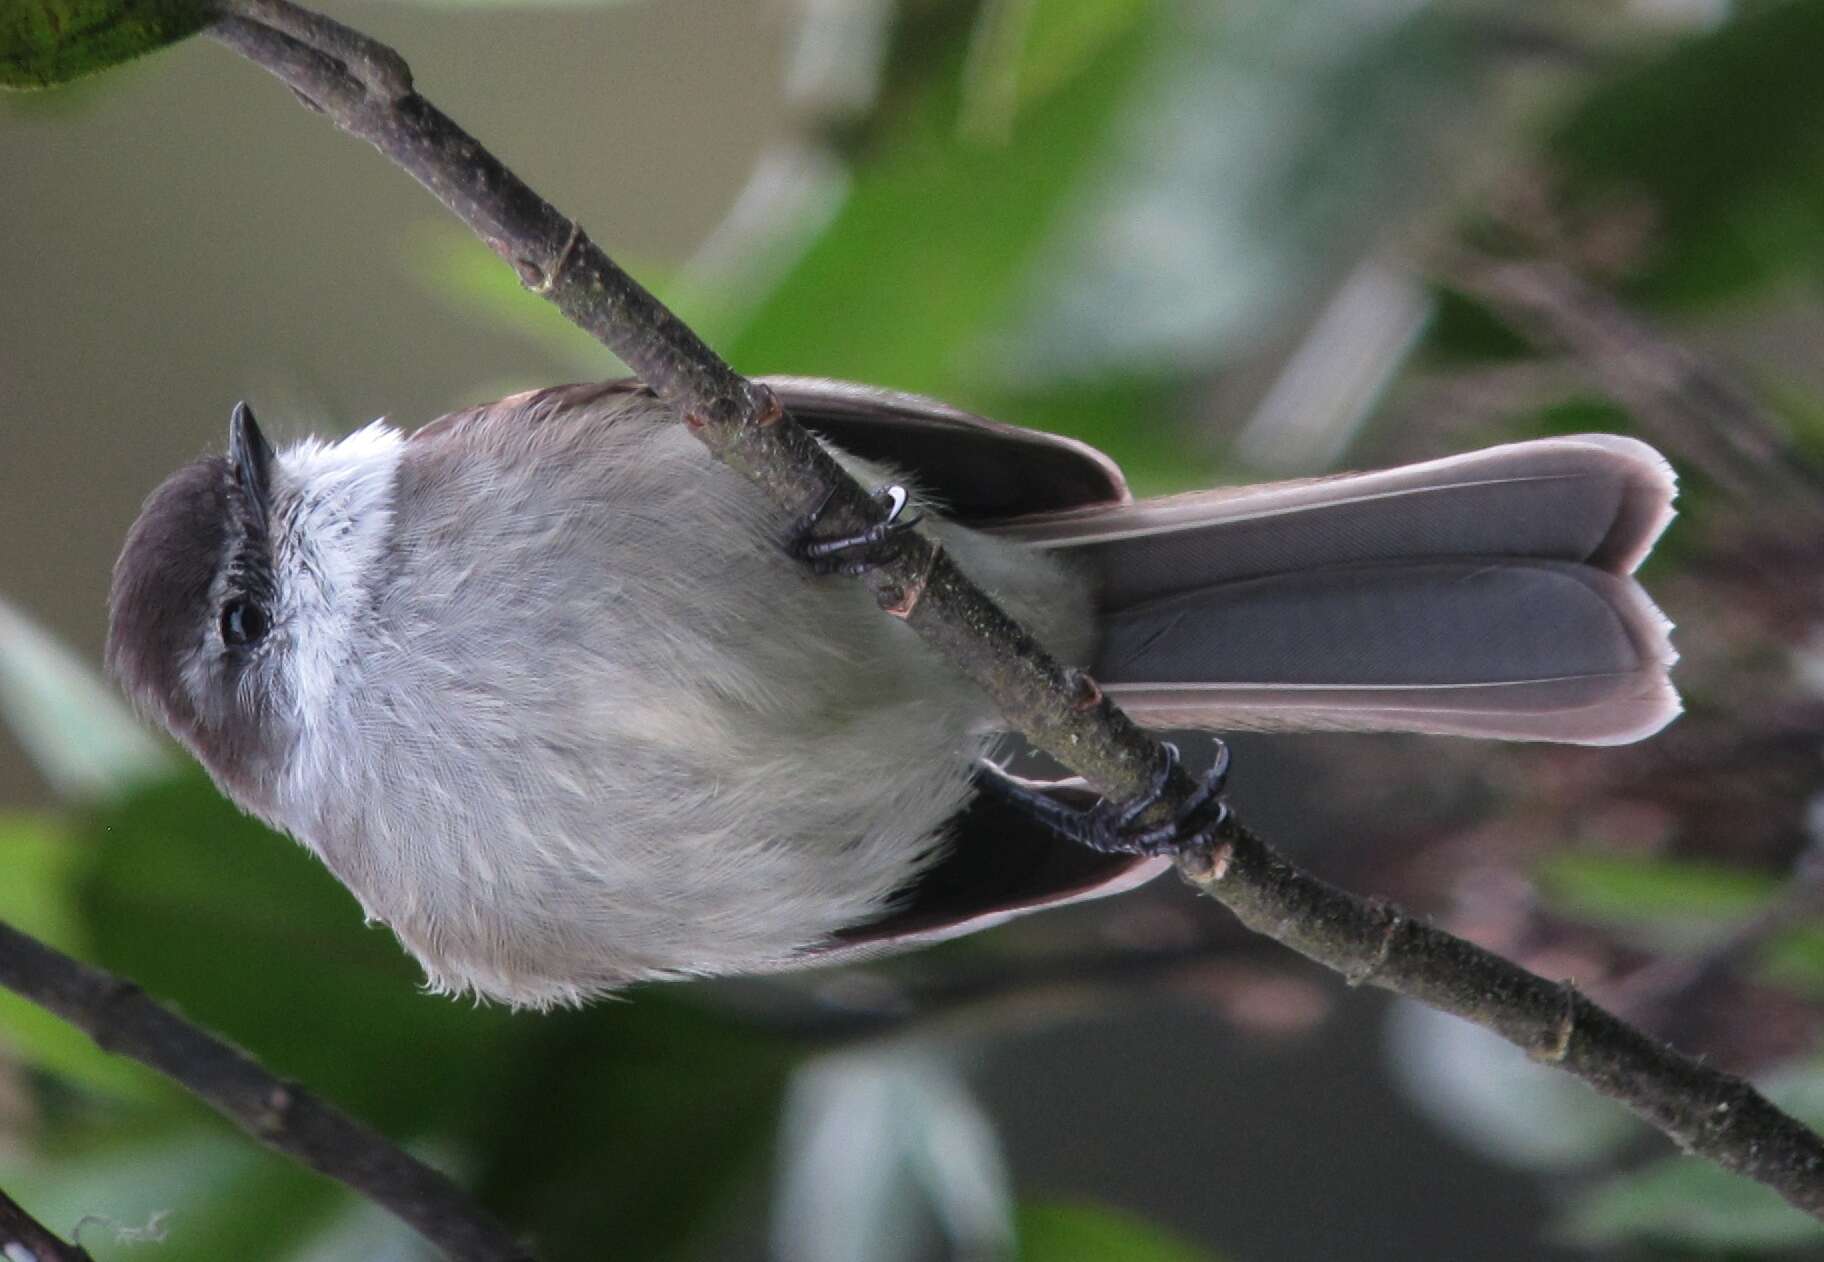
{"points": [[191, 612]]}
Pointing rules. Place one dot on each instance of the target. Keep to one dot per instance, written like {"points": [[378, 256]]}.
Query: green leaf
{"points": [[72, 724], [1680, 903], [1462, 331], [1725, 138], [1129, 417], [928, 252], [638, 1123], [1682, 906], [1093, 1233], [1795, 959], [47, 42], [41, 862], [1020, 52], [1068, 35]]}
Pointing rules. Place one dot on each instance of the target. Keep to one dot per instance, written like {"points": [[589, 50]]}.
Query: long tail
{"points": [[1480, 595]]}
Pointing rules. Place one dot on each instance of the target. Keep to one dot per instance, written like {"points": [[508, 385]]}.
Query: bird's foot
{"points": [[1114, 827], [854, 553]]}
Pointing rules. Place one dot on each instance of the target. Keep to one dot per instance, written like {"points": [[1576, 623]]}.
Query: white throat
{"points": [[333, 507]]}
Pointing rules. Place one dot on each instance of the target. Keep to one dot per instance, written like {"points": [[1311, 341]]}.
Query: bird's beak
{"points": [[250, 454]]}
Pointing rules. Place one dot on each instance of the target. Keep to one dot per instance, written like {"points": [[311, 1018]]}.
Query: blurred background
{"points": [[1222, 241]]}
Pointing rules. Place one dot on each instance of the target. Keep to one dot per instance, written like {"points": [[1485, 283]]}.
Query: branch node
{"points": [[1206, 865], [1558, 1045], [1089, 692], [275, 1110], [1724, 1114], [547, 280], [115, 995], [1396, 920], [386, 70], [901, 599], [769, 411]]}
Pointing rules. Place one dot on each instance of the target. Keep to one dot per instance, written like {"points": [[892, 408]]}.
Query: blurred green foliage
{"points": [[1463, 331], [642, 1123], [1693, 1208], [936, 229], [48, 42], [1648, 889], [1682, 906], [1723, 139], [1085, 1233], [1686, 1204], [644, 1116]]}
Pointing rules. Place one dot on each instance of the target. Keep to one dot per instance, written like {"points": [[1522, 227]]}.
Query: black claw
{"points": [[826, 556], [1110, 827]]}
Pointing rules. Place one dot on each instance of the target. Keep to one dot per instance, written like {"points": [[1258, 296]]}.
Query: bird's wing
{"points": [[979, 470], [1002, 863]]}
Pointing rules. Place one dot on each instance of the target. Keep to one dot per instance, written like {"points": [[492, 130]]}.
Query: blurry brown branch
{"points": [[1692, 407], [22, 1236], [1707, 1112], [1455, 405], [1669, 984], [123, 1020], [366, 89]]}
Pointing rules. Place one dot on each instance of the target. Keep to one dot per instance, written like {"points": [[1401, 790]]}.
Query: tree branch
{"points": [[366, 89], [1673, 982], [123, 1020], [1706, 1111], [25, 1239], [1691, 406]]}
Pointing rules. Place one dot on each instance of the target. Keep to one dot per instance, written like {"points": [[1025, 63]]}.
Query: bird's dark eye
{"points": [[243, 622]]}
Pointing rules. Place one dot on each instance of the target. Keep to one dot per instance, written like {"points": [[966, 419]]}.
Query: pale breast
{"points": [[611, 731]]}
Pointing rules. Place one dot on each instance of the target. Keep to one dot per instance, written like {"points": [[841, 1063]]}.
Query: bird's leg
{"points": [[1113, 827], [854, 553]]}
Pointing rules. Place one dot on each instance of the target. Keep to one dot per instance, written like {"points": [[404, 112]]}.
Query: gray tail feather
{"points": [[1480, 595]]}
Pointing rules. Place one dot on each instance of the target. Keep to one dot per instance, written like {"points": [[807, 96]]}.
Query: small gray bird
{"points": [[540, 684]]}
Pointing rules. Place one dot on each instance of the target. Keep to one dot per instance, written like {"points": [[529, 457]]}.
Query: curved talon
{"points": [[1178, 833], [1126, 815], [825, 554], [1109, 827], [807, 521], [896, 499]]}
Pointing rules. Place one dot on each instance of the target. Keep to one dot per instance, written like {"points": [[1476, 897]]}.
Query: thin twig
{"points": [[367, 90], [1688, 404], [25, 1239], [1706, 1111], [1675, 982], [122, 1019]]}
